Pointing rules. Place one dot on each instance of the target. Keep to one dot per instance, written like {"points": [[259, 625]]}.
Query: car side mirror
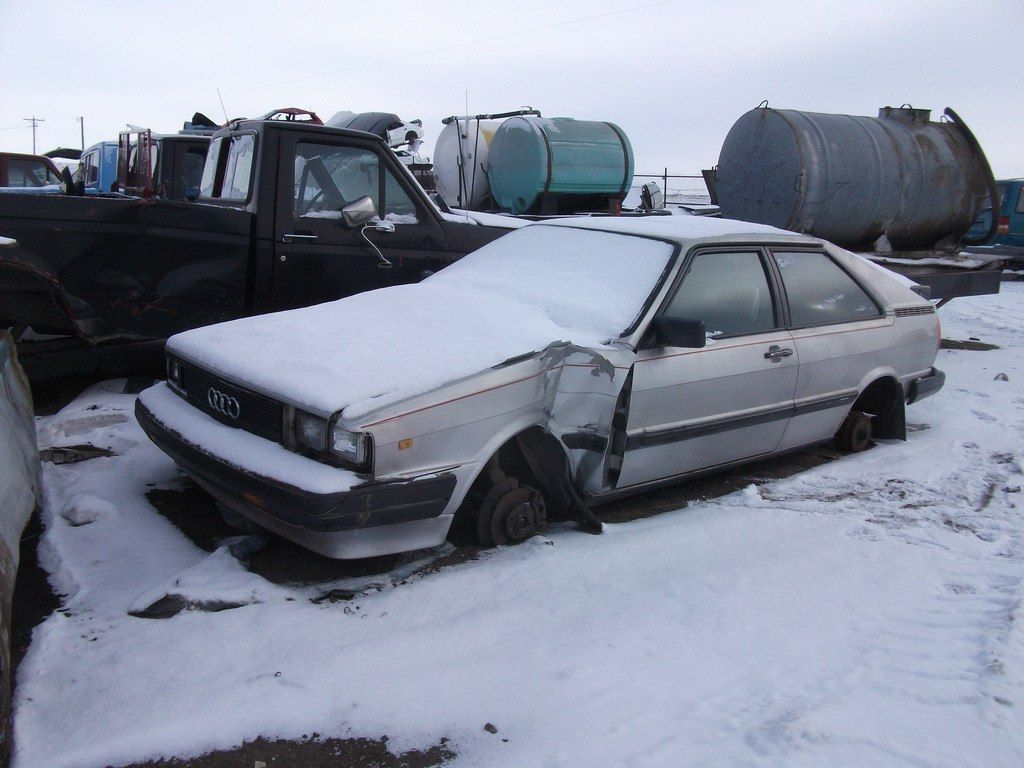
{"points": [[675, 332], [358, 212]]}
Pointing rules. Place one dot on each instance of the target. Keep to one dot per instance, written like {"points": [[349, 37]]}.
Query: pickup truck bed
{"points": [[121, 267]]}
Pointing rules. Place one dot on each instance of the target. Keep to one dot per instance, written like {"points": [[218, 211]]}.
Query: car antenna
{"points": [[222, 109]]}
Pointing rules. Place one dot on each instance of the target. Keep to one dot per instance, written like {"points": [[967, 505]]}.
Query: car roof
{"points": [[681, 228], [26, 156]]}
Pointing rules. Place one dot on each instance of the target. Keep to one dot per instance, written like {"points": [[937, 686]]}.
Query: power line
{"points": [[394, 59]]}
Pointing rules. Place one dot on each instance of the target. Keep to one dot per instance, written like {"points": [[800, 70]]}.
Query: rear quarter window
{"points": [[820, 292]]}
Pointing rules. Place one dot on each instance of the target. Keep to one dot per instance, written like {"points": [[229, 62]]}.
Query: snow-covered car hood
{"points": [[531, 288]]}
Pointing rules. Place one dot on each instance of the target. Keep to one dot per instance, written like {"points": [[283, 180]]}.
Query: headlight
{"points": [[311, 431], [349, 446], [333, 443]]}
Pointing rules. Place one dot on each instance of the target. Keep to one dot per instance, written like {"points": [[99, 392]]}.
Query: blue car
{"points": [[1010, 227]]}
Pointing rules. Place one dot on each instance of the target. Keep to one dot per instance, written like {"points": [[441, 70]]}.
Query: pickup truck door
{"points": [[316, 257], [690, 409]]}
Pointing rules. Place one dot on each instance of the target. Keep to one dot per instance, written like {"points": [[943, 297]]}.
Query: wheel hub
{"points": [[511, 513]]}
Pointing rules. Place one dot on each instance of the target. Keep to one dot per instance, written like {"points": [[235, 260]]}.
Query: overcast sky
{"points": [[674, 75]]}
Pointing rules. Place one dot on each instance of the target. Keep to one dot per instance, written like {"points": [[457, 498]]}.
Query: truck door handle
{"points": [[775, 353], [297, 238]]}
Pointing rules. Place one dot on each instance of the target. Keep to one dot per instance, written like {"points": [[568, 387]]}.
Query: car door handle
{"points": [[775, 353], [297, 238]]}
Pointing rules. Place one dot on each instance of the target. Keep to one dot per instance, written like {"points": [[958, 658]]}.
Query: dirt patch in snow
{"points": [[194, 512], [33, 600], [313, 752], [972, 345]]}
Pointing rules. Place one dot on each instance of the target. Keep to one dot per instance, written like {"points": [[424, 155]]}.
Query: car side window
{"points": [[1020, 200], [729, 291], [820, 292]]}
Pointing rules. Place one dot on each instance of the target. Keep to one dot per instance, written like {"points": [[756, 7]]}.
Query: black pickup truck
{"points": [[283, 221]]}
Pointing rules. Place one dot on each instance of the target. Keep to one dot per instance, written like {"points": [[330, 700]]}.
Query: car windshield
{"points": [[581, 279]]}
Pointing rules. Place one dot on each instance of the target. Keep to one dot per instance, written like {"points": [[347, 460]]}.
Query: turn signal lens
{"points": [[174, 373], [350, 446]]}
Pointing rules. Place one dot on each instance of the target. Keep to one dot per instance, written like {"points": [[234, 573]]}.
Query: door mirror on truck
{"points": [[358, 212]]}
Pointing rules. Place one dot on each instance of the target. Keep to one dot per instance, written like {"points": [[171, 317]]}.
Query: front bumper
{"points": [[925, 386], [369, 519]]}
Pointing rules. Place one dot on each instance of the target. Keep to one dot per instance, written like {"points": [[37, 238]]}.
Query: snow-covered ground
{"points": [[864, 613]]}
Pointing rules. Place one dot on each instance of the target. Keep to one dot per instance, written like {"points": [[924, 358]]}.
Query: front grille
{"points": [[911, 311], [258, 414]]}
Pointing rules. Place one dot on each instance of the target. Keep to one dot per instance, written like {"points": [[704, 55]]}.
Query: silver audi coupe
{"points": [[565, 364]]}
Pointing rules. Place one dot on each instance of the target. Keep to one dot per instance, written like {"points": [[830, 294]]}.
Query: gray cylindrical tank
{"points": [[854, 179]]}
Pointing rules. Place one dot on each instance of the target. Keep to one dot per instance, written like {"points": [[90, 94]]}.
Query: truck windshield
{"points": [[238, 168], [235, 169], [210, 168]]}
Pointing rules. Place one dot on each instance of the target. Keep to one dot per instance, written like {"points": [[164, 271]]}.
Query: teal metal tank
{"points": [[558, 165]]}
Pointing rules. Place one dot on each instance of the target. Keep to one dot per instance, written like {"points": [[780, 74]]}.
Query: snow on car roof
{"points": [[673, 227]]}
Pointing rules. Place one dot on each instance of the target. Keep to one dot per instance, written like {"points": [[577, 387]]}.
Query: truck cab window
{"points": [[398, 206], [29, 173], [328, 177], [194, 159]]}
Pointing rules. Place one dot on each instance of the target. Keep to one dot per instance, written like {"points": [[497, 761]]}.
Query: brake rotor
{"points": [[519, 514], [488, 506]]}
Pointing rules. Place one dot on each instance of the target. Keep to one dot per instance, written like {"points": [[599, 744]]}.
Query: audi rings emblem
{"points": [[222, 403]]}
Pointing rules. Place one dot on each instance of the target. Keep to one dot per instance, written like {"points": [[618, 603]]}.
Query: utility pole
{"points": [[35, 121], [81, 122]]}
